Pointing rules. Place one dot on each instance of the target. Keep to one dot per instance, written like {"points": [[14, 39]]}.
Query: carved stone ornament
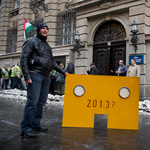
{"points": [[38, 5], [106, 5], [67, 5]]}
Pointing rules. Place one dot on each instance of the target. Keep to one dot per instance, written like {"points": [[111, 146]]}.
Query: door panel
{"points": [[119, 53], [101, 59], [107, 58]]}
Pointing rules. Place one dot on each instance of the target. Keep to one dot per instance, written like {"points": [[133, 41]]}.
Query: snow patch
{"points": [[144, 107], [22, 97]]}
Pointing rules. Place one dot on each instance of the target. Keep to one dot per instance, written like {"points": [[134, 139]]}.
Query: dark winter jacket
{"points": [[123, 70], [70, 68], [37, 56], [93, 71]]}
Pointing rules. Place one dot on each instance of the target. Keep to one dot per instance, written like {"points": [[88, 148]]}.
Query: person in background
{"points": [[61, 81], [122, 69], [5, 77], [53, 85], [17, 74], [12, 75], [0, 77], [93, 70], [133, 70], [70, 67]]}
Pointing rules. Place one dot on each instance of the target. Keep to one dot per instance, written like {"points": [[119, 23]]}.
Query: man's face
{"points": [[132, 62], [120, 63], [43, 31], [62, 66], [92, 66], [5, 67], [18, 64], [68, 62]]}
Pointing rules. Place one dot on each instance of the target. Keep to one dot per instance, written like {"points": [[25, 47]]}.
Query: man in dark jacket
{"points": [[70, 67], [36, 62], [122, 69], [93, 70]]}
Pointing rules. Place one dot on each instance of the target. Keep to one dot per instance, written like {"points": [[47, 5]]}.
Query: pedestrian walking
{"points": [[36, 62], [61, 81], [70, 67], [17, 74], [122, 69], [133, 70], [5, 77], [93, 70]]}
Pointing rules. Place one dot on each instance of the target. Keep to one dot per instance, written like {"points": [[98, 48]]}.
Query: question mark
{"points": [[113, 103]]}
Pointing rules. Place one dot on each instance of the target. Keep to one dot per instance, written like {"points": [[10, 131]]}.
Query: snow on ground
{"points": [[21, 97], [58, 101], [144, 107]]}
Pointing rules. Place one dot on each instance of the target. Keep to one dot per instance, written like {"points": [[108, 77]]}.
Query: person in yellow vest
{"points": [[5, 77], [12, 75], [17, 77]]}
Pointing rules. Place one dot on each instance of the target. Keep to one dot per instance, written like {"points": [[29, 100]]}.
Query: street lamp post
{"points": [[134, 39]]}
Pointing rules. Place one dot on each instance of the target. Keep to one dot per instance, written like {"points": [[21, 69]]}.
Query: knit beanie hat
{"points": [[40, 25]]}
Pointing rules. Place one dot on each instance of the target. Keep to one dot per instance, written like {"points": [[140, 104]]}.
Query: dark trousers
{"points": [[37, 93], [15, 83], [5, 83], [12, 81], [53, 86]]}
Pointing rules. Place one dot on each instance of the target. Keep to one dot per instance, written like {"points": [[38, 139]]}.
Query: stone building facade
{"points": [[104, 27]]}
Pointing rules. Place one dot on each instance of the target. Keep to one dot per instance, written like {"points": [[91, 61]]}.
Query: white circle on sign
{"points": [[124, 92], [79, 90]]}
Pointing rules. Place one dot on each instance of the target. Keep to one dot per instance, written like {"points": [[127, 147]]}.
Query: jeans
{"points": [[16, 81], [37, 93], [5, 82]]}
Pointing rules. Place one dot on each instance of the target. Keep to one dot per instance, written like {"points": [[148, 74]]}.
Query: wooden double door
{"points": [[106, 56]]}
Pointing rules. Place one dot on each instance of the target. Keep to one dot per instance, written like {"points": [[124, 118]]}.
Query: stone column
{"points": [[81, 62], [50, 19], [24, 13], [138, 14], [4, 24]]}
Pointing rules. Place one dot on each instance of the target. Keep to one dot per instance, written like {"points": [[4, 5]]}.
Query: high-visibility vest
{"points": [[18, 70], [53, 73], [5, 73], [12, 72]]}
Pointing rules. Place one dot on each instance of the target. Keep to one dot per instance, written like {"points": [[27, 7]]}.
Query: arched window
{"points": [[110, 31]]}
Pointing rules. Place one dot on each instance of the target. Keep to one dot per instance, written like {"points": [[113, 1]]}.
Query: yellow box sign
{"points": [[87, 95]]}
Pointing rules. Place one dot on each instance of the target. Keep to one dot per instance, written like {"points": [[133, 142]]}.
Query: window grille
{"points": [[66, 27], [11, 40]]}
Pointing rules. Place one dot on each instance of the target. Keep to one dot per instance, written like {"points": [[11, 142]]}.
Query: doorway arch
{"points": [[109, 47]]}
